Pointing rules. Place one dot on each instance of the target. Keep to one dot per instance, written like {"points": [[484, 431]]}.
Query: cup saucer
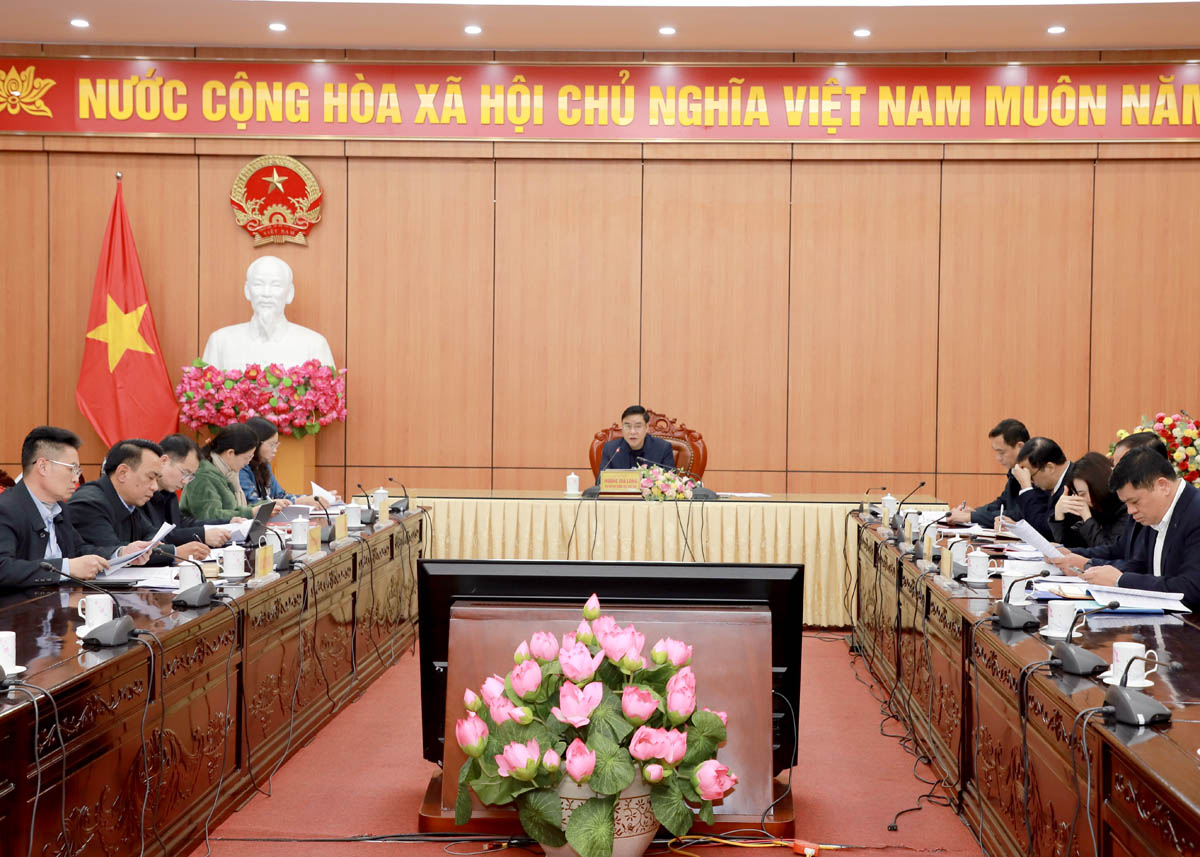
{"points": [[14, 671], [1112, 680], [233, 575], [1045, 632], [977, 584]]}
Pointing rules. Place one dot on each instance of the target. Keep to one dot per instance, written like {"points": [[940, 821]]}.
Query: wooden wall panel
{"points": [[864, 305], [318, 269], [976, 489], [418, 478], [715, 305], [420, 305], [24, 293], [161, 200], [858, 483], [567, 297], [1015, 296], [1145, 284], [760, 481]]}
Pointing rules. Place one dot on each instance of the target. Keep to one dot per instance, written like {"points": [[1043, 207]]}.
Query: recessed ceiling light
{"points": [[839, 63], [862, 32], [1056, 30], [80, 22], [666, 31], [318, 59], [472, 29], [1192, 62], [277, 26]]}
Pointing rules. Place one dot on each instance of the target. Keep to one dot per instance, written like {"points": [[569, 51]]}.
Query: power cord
{"points": [[1086, 714], [574, 524], [310, 579], [162, 732], [974, 662], [1022, 713], [227, 602], [145, 753]]}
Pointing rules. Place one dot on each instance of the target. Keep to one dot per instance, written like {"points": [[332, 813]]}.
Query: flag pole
{"points": [[118, 175]]}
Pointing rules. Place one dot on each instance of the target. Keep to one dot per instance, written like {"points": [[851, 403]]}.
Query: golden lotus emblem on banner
{"points": [[276, 199], [24, 92]]}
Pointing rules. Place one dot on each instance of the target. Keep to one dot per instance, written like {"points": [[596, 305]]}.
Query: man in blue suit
{"points": [[1163, 544], [636, 447]]}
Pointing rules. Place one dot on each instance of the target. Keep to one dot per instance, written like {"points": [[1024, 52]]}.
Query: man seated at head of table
{"points": [[35, 523], [1088, 513], [1162, 549], [1006, 438], [1043, 472], [181, 457], [636, 445], [111, 510], [215, 493]]}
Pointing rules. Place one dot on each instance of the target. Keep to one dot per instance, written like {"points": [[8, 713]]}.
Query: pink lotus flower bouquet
{"points": [[595, 708], [300, 399]]}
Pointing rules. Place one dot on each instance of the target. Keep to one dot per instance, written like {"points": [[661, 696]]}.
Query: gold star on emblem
{"points": [[120, 331], [274, 180]]}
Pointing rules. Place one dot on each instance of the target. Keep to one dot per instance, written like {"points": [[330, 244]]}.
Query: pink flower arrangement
{"points": [[593, 708], [661, 484], [300, 400]]}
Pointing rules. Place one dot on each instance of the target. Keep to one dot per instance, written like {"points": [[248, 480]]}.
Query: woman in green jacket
{"points": [[214, 492]]}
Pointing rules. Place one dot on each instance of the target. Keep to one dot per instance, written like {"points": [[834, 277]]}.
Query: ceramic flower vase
{"points": [[634, 824]]}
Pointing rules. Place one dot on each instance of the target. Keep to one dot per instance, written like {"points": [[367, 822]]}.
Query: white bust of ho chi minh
{"points": [[268, 337]]}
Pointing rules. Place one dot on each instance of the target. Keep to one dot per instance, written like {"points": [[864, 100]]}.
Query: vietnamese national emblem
{"points": [[276, 199]]}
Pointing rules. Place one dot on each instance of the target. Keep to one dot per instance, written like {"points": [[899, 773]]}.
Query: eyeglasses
{"points": [[76, 470], [187, 475]]}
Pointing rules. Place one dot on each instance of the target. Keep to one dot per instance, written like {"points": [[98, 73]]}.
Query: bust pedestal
{"points": [[295, 463]]}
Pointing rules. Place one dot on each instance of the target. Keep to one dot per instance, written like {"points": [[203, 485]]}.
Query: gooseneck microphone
{"points": [[1077, 660], [1014, 617], [864, 505], [594, 490], [200, 595], [117, 631], [1132, 707], [371, 515], [400, 506], [897, 523], [326, 528]]}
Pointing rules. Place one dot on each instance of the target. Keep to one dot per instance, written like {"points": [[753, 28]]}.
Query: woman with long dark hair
{"points": [[214, 492], [1088, 514], [257, 479]]}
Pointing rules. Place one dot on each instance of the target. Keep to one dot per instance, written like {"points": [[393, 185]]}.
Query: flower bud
{"points": [[522, 653], [521, 714], [472, 701], [472, 735], [583, 633], [591, 609], [653, 773], [551, 761]]}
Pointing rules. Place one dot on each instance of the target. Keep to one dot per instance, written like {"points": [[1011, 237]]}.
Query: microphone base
{"points": [[368, 516], [200, 595], [399, 506], [702, 493], [115, 632], [1015, 618], [283, 560], [591, 491], [1077, 660], [327, 533], [1134, 708]]}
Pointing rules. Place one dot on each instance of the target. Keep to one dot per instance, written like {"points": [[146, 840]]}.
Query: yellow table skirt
{"points": [[780, 530]]}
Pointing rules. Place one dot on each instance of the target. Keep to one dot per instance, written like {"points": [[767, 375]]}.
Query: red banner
{"points": [[583, 102]]}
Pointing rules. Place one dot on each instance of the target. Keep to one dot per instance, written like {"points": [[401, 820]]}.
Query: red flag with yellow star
{"points": [[123, 389]]}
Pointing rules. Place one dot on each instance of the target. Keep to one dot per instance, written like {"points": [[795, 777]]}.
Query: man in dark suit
{"points": [[636, 447], [180, 459], [1044, 473], [110, 509], [1163, 550], [35, 526], [1006, 438]]}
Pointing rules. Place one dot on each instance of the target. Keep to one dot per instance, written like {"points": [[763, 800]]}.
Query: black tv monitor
{"points": [[442, 582]]}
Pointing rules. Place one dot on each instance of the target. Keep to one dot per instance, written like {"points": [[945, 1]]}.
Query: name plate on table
{"points": [[264, 561], [340, 527], [314, 540], [621, 482]]}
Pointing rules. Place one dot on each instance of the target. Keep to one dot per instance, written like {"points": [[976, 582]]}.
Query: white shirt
{"points": [[48, 513], [1161, 529]]}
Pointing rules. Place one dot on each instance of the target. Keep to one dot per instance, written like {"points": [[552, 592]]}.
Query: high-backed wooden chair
{"points": [[691, 454]]}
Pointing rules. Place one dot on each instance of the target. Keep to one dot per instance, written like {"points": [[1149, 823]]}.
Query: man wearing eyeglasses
{"points": [[180, 459], [35, 525], [1044, 473]]}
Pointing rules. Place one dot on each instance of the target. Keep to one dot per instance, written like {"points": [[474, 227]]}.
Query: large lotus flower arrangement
{"points": [[300, 399], [1181, 434], [595, 708], [661, 484]]}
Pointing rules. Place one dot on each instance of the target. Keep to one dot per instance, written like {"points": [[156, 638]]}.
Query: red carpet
{"points": [[850, 781]]}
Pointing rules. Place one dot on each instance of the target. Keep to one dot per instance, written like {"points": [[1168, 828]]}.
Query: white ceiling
{"points": [[922, 25]]}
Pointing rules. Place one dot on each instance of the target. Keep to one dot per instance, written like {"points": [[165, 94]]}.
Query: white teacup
{"points": [[95, 610], [1123, 654], [979, 566], [189, 576], [300, 532], [1013, 589], [232, 560], [1059, 616], [8, 650], [354, 515]]}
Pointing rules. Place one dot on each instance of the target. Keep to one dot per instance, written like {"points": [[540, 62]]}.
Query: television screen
{"points": [[442, 582]]}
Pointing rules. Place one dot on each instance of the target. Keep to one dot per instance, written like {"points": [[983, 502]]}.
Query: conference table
{"points": [[156, 736], [813, 529], [969, 691]]}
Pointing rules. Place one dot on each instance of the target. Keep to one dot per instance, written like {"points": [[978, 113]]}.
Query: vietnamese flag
{"points": [[123, 389]]}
